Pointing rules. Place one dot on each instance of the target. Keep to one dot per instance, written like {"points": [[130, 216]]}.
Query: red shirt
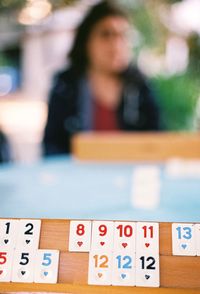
{"points": [[104, 118]]}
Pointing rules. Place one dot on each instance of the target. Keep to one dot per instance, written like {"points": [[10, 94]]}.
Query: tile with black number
{"points": [[23, 266], [100, 268], [6, 259], [29, 234], [183, 239], [125, 236], [147, 240], [80, 236], [8, 233], [102, 235], [46, 266], [123, 269], [197, 237], [147, 270]]}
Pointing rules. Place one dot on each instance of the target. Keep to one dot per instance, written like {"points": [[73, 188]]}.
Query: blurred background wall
{"points": [[35, 36]]}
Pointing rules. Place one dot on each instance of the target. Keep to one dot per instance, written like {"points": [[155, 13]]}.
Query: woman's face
{"points": [[108, 46]]}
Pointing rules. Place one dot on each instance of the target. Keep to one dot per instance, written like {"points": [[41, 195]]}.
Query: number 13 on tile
{"points": [[183, 239]]}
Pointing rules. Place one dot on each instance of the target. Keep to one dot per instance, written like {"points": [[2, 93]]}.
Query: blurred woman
{"points": [[100, 90]]}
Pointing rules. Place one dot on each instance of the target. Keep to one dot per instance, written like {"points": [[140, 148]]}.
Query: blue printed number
{"points": [[46, 259], [127, 264], [187, 233]]}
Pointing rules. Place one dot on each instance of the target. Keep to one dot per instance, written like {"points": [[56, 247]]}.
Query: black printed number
{"points": [[150, 265], [30, 229], [7, 228], [24, 259]]}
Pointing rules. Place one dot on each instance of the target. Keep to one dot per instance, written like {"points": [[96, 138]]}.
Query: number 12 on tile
{"points": [[100, 268]]}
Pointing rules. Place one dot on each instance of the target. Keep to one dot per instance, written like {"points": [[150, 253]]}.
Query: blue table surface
{"points": [[65, 188]]}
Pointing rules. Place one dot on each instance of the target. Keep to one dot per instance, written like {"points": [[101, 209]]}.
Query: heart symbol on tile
{"points": [[147, 245], [124, 245], [6, 241], [102, 243], [147, 277], [23, 273], [80, 243], [123, 276], [28, 241], [100, 275], [184, 246], [1, 272], [46, 274]]}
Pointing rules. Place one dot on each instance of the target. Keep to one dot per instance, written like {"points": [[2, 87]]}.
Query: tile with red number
{"points": [[102, 235], [23, 266], [183, 239], [6, 259], [46, 266], [29, 234], [80, 236], [197, 235], [147, 240], [125, 236], [100, 268], [147, 270], [8, 233], [123, 268]]}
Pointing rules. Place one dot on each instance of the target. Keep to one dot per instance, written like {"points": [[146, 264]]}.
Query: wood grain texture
{"points": [[180, 274], [136, 146], [86, 289]]}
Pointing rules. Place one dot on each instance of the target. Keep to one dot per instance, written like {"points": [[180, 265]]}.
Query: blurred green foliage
{"points": [[177, 94], [177, 97]]}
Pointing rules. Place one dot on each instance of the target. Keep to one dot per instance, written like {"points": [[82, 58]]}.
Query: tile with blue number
{"points": [[183, 239], [46, 266]]}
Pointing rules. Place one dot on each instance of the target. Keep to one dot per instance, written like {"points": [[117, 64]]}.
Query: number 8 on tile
{"points": [[80, 236]]}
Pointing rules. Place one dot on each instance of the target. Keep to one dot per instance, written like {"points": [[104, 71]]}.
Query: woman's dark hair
{"points": [[78, 53]]}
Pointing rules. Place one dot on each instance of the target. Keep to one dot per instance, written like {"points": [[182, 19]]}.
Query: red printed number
{"points": [[3, 258], [102, 230], [145, 231], [126, 231], [80, 230]]}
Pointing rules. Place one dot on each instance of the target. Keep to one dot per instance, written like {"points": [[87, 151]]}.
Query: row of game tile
{"points": [[117, 255], [20, 259], [84, 235], [39, 266], [121, 253], [127, 253], [135, 236]]}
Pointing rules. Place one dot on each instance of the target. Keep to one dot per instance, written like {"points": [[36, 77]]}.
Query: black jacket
{"points": [[70, 109], [4, 148]]}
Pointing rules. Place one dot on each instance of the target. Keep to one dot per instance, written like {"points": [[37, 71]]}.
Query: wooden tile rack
{"points": [[136, 146], [178, 274]]}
